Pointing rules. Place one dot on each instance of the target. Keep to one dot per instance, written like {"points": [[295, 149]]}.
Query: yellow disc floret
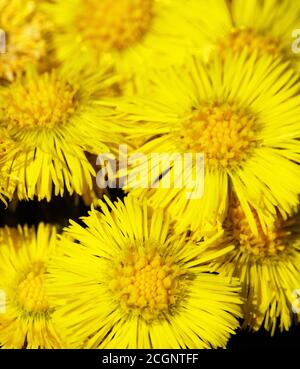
{"points": [[31, 295], [223, 132], [146, 283], [117, 24], [45, 101], [263, 244]]}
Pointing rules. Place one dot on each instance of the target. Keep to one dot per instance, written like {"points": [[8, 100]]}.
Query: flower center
{"points": [[117, 24], [25, 41], [223, 132], [46, 101], [272, 243], [239, 39], [31, 294], [146, 283]]}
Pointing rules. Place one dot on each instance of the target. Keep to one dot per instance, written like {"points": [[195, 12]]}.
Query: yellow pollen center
{"points": [[117, 24], [46, 101], [31, 295], [239, 39], [272, 243], [146, 284], [223, 132]]}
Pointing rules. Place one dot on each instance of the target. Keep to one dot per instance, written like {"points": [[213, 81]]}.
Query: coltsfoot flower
{"points": [[263, 27], [53, 119], [125, 281], [26, 28], [268, 265], [132, 34], [243, 114], [26, 314]]}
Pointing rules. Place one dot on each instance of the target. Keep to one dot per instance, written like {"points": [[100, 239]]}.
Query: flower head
{"points": [[268, 265], [54, 120], [242, 114], [125, 281], [133, 34], [7, 151], [26, 29], [260, 27], [26, 314]]}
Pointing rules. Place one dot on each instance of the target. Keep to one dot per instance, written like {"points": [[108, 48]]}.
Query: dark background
{"points": [[60, 210]]}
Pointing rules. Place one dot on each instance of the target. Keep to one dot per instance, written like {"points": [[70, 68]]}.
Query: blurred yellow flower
{"points": [[26, 29], [132, 34]]}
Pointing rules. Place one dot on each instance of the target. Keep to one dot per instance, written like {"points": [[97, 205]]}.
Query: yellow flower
{"points": [[53, 119], [125, 281], [262, 27], [8, 150], [268, 265], [133, 34], [26, 314], [25, 28], [243, 114]]}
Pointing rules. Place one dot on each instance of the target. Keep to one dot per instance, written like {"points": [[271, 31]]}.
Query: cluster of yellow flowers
{"points": [[153, 270]]}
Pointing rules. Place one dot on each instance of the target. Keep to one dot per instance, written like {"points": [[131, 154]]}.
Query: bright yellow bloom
{"points": [[125, 281], [261, 26], [26, 314], [8, 150], [53, 119], [268, 265], [132, 34], [26, 28], [243, 114]]}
